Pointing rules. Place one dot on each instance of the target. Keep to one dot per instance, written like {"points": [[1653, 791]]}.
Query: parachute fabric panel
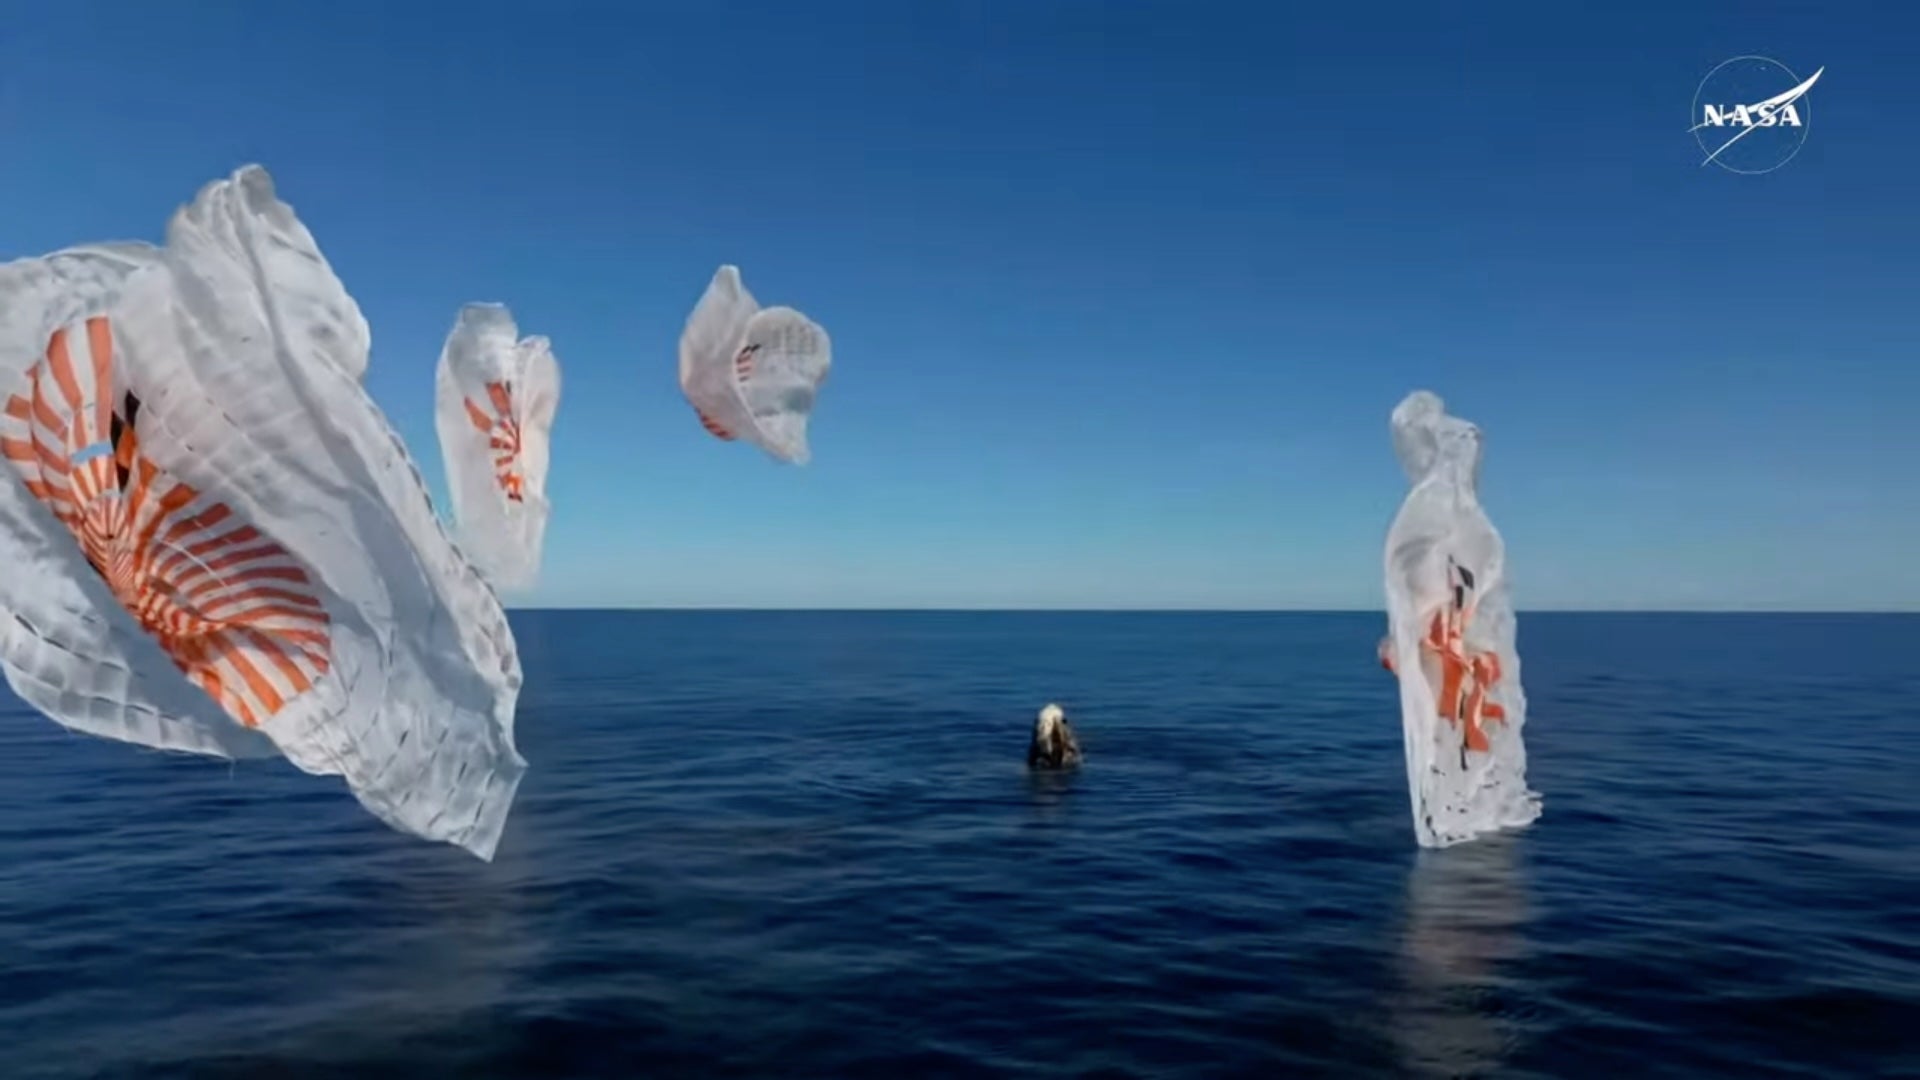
{"points": [[264, 554], [1451, 638], [73, 542], [417, 713], [750, 373], [494, 403]]}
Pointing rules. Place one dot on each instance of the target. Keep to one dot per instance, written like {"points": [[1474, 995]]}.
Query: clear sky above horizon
{"points": [[1121, 295]]}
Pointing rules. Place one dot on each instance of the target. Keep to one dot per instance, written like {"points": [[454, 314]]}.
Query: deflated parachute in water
{"points": [[752, 373], [1451, 638], [495, 396], [214, 543]]}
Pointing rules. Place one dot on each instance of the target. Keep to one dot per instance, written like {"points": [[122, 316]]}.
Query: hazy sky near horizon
{"points": [[1121, 295]]}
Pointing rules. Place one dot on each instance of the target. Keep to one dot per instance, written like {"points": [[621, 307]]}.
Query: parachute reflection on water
{"points": [[752, 373], [214, 541], [495, 397], [1451, 638]]}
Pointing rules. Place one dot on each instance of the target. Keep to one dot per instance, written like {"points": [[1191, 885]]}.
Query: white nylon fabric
{"points": [[494, 401], [1451, 638], [303, 301], [216, 542], [753, 373], [61, 647]]}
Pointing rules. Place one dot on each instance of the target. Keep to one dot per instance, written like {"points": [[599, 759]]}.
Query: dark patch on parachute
{"points": [[122, 440]]}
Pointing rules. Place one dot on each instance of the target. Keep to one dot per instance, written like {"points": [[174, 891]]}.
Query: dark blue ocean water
{"points": [[807, 845]]}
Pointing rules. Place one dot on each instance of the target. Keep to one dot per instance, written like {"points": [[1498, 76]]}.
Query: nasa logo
{"points": [[1751, 114]]}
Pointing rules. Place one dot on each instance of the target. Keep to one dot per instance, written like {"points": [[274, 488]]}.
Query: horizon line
{"points": [[886, 610]]}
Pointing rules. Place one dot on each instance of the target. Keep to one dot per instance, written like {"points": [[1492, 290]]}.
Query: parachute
{"points": [[282, 267], [1451, 638], [495, 398], [216, 544], [752, 373]]}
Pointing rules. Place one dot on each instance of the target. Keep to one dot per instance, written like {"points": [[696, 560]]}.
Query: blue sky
{"points": [[1121, 294]]}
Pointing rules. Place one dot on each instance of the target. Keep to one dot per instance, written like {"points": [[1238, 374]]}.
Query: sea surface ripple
{"points": [[806, 844]]}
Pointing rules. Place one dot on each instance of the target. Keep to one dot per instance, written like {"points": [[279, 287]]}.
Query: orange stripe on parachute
{"points": [[193, 591], [742, 370], [713, 427], [503, 435], [502, 399], [100, 344], [60, 363], [1465, 677]]}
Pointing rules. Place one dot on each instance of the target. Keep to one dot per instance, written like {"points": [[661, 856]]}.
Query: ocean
{"points": [[806, 844]]}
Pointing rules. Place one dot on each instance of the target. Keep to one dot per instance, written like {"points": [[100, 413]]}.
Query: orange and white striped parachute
{"points": [[1451, 638], [216, 544], [752, 373], [495, 395]]}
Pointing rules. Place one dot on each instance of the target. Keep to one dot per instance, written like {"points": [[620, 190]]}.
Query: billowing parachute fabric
{"points": [[752, 373], [216, 544], [303, 300], [495, 397], [1451, 638]]}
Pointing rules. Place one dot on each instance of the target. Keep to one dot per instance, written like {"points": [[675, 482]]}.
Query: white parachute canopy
{"points": [[752, 373], [214, 542], [1451, 638], [494, 399], [282, 268]]}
